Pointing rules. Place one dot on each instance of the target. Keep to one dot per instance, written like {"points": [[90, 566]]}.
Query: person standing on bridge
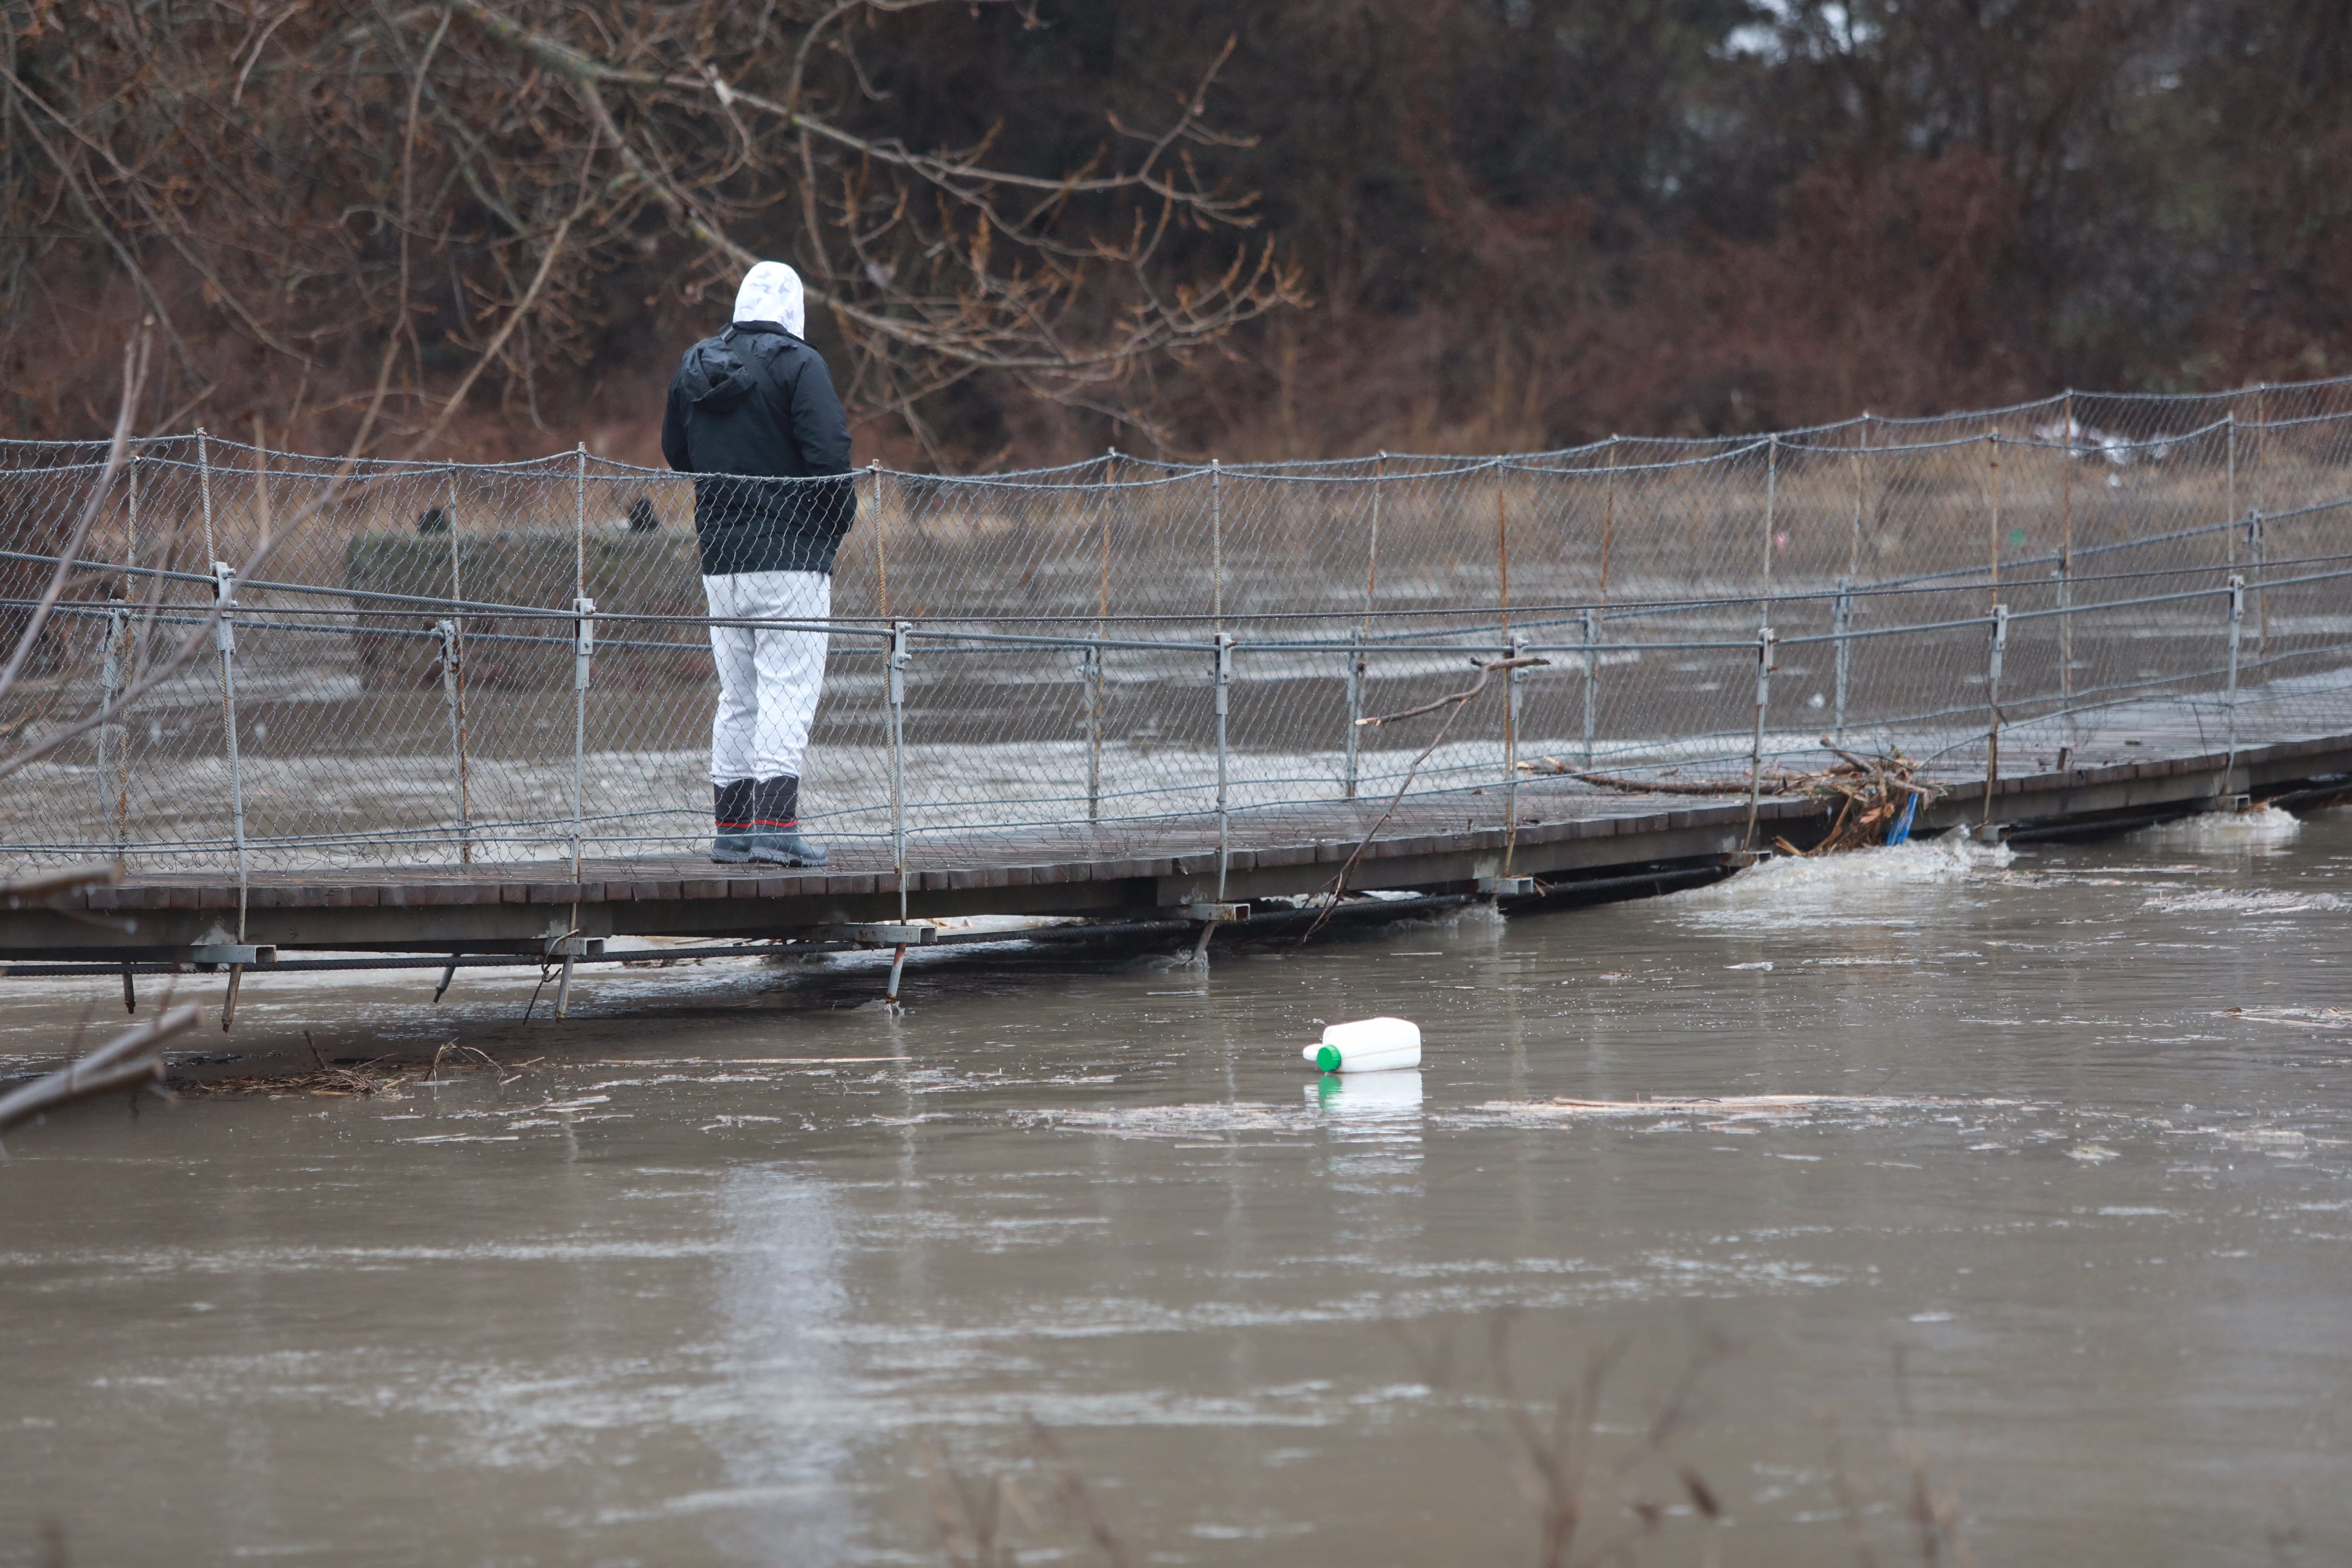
{"points": [[752, 412]]}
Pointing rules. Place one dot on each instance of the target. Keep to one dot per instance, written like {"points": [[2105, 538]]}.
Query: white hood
{"points": [[771, 292]]}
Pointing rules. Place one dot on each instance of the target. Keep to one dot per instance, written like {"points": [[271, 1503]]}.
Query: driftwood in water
{"points": [[1774, 784]]}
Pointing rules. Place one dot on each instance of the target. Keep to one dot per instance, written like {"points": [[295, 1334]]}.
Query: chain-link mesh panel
{"points": [[274, 662]]}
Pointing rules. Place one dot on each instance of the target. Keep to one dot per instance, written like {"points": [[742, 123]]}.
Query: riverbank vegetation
{"points": [[1032, 228]]}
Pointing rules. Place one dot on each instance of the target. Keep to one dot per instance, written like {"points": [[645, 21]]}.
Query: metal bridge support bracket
{"points": [[570, 946], [1211, 916], [237, 954]]}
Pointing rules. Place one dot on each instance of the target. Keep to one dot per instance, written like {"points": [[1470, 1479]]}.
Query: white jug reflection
{"points": [[1381, 1099]]}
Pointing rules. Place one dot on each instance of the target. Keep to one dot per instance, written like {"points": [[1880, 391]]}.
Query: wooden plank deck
{"points": [[1568, 832]]}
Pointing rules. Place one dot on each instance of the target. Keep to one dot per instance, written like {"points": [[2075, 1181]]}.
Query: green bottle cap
{"points": [[1328, 1058]]}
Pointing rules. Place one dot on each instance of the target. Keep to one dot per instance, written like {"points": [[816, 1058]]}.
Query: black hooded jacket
{"points": [[754, 410]]}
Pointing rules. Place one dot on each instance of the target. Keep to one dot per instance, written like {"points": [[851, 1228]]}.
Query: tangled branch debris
{"points": [[1876, 789]]}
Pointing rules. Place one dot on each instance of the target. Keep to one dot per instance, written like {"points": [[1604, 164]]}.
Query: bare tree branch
{"points": [[351, 161]]}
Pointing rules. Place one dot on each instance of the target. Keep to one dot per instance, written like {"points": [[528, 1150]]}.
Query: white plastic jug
{"points": [[1368, 1045]]}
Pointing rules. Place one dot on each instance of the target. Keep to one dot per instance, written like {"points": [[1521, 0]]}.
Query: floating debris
{"points": [[1736, 1106], [373, 1077], [2299, 1017], [1881, 794], [1368, 1045]]}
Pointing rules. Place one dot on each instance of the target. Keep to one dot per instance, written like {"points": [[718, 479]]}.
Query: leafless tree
{"points": [[453, 188]]}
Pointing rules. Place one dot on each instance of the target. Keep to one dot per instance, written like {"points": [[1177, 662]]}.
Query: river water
{"points": [[734, 1268]]}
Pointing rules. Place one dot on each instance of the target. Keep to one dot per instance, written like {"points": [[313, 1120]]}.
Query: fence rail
{"points": [[442, 664]]}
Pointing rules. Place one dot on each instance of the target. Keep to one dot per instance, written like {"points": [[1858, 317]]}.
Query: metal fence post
{"points": [[1095, 654], [1992, 516], [121, 810], [1503, 540], [2066, 652], [1355, 702], [1216, 544], [1591, 619], [1222, 673], [117, 622], [2237, 629], [581, 608], [1607, 516], [1767, 660], [1841, 629], [446, 630], [1093, 675], [454, 683], [2230, 487], [2255, 560], [583, 656], [1358, 667], [1512, 697], [881, 548], [225, 639], [1993, 703], [2066, 587], [900, 655]]}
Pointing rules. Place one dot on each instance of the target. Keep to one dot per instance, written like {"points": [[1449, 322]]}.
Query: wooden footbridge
{"points": [[444, 716], [1573, 845]]}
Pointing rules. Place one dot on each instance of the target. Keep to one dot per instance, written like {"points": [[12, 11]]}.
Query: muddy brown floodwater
{"points": [[735, 1269]]}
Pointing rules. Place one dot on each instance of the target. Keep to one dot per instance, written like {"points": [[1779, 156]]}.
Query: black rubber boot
{"points": [[775, 825], [730, 806]]}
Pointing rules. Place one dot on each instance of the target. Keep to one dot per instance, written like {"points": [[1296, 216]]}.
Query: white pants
{"points": [[769, 678]]}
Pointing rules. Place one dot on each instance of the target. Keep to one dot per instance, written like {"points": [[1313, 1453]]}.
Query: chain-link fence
{"points": [[1125, 656]]}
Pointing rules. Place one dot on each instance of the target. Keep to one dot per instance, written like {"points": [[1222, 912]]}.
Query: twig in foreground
{"points": [[131, 1058], [1337, 886]]}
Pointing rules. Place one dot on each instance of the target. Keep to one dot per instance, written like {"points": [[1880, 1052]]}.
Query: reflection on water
{"points": [[2071, 1129], [783, 1304]]}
